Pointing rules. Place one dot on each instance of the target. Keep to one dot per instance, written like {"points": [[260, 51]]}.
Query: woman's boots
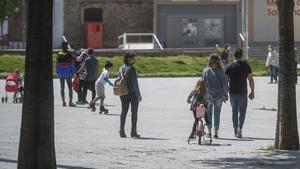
{"points": [[122, 133], [134, 133]]}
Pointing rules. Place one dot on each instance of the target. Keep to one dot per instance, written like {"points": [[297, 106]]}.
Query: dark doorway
{"points": [[93, 15]]}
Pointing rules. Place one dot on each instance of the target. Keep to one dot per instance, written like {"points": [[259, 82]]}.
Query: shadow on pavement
{"points": [[254, 138], [58, 166], [274, 160], [111, 114], [236, 139], [150, 138]]}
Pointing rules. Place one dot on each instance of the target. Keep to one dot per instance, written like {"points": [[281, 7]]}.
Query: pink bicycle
{"points": [[200, 128]]}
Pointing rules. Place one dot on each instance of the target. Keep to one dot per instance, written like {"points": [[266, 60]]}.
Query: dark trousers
{"points": [[91, 86], [296, 80], [80, 91], [125, 101], [62, 87]]}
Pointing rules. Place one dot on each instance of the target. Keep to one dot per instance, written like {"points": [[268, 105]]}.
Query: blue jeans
{"points": [[215, 109], [273, 72], [239, 106]]}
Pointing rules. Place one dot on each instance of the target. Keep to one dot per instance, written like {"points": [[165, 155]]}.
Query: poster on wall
{"points": [[213, 31], [190, 31]]}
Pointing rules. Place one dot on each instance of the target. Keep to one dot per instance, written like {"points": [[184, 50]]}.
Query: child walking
{"points": [[198, 96], [100, 89]]}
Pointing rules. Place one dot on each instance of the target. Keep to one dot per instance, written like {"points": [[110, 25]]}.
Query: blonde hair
{"points": [[201, 87]]}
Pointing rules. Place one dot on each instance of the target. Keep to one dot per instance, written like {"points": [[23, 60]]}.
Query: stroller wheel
{"points": [[6, 99]]}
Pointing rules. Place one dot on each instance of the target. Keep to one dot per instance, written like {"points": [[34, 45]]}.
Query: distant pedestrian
{"points": [[91, 64], [20, 78], [76, 53], [100, 88], [217, 85], [238, 72], [65, 69], [297, 59], [81, 72], [199, 95], [272, 64], [224, 53], [133, 97]]}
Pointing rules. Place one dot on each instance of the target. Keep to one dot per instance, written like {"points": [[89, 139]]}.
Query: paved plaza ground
{"points": [[87, 140]]}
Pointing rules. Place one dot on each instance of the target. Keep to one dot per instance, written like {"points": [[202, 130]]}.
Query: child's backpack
{"points": [[120, 85]]}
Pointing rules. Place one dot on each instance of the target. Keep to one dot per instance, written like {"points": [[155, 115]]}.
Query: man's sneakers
{"points": [[71, 104], [238, 133]]}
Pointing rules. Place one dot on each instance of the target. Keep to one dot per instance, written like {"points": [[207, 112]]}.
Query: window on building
{"points": [[93, 15]]}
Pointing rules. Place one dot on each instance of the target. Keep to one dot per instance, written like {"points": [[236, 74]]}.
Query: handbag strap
{"points": [[218, 78]]}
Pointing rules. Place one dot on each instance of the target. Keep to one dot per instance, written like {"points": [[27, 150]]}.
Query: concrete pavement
{"points": [[85, 139]]}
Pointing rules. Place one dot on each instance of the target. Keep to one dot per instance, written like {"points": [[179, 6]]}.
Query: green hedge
{"points": [[171, 66]]}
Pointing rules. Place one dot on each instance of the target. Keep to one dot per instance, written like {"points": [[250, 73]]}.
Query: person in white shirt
{"points": [[272, 63], [100, 89]]}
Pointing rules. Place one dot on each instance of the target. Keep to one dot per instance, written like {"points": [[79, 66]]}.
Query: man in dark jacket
{"points": [[92, 67]]}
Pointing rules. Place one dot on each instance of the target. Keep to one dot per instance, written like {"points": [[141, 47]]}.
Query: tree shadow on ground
{"points": [[151, 138], [264, 160], [236, 139], [4, 160]]}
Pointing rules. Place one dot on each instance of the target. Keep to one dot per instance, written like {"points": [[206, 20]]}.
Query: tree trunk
{"points": [[286, 130], [36, 147]]}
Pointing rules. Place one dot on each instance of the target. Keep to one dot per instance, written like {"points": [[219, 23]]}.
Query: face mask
{"points": [[270, 49], [77, 53]]}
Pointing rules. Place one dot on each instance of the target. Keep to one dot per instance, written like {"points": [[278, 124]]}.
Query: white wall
{"points": [[265, 21], [58, 14]]}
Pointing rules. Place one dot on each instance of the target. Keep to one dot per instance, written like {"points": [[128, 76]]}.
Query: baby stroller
{"points": [[12, 85], [200, 128]]}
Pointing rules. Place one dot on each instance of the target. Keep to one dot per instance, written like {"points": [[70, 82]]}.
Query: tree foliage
{"points": [[9, 7]]}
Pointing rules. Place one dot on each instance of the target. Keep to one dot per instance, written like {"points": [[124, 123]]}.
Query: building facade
{"points": [[110, 17], [177, 23]]}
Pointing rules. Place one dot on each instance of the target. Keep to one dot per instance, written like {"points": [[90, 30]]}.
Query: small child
{"points": [[101, 81], [199, 96], [20, 80]]}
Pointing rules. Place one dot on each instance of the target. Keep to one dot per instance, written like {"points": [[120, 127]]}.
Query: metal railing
{"points": [[138, 41]]}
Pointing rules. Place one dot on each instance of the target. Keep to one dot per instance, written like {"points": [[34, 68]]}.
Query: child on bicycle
{"points": [[198, 96]]}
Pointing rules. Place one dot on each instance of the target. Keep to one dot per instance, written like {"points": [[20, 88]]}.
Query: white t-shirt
{"points": [[102, 78]]}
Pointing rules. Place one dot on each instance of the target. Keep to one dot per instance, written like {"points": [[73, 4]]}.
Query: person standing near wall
{"points": [[238, 72], [272, 64], [224, 53]]}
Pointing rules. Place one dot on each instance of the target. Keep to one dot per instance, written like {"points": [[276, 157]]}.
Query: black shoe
{"points": [[92, 106], [134, 133], [192, 136], [103, 109], [122, 134]]}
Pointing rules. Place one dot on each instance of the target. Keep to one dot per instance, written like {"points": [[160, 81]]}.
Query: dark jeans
{"points": [[125, 101], [273, 72], [80, 91], [296, 80], [239, 104], [91, 86], [197, 119], [62, 87]]}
